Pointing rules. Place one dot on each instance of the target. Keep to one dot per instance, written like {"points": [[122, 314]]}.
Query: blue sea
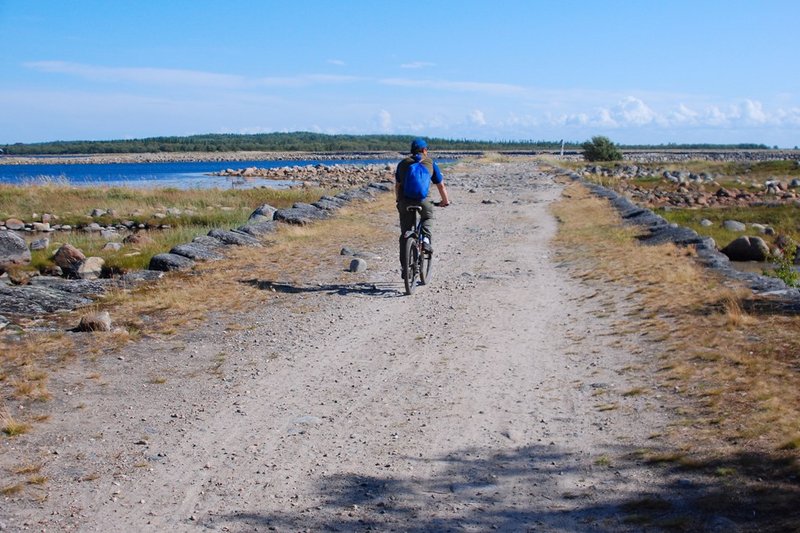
{"points": [[180, 175]]}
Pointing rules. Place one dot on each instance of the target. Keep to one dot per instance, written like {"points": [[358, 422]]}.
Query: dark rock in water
{"points": [[300, 214], [196, 251], [32, 300], [259, 229], [170, 262], [234, 238], [13, 250], [747, 249]]}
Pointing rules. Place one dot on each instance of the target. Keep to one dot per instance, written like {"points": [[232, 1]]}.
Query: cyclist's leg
{"points": [[407, 219], [427, 218]]}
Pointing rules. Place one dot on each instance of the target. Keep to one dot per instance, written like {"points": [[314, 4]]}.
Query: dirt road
{"points": [[481, 402]]}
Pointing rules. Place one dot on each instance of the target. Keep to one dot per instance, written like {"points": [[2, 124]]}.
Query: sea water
{"points": [[179, 174]]}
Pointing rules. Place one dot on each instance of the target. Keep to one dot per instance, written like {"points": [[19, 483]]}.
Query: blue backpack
{"points": [[417, 181]]}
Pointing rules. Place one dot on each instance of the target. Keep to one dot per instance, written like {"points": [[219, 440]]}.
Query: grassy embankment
{"points": [[745, 176], [200, 210], [727, 361], [29, 357]]}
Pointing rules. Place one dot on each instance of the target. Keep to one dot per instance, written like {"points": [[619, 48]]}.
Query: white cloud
{"points": [[477, 117], [418, 65], [384, 120], [498, 89], [157, 76], [633, 111]]}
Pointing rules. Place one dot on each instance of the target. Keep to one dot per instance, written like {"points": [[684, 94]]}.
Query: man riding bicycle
{"points": [[413, 177]]}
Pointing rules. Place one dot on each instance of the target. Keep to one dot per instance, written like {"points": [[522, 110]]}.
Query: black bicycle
{"points": [[418, 262]]}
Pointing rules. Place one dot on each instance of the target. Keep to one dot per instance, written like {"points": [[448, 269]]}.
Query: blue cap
{"points": [[417, 145]]}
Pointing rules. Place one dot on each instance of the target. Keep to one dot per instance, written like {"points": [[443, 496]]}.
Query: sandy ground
{"points": [[475, 404]]}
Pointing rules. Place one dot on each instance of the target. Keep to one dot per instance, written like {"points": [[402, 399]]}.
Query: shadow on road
{"points": [[542, 488], [383, 290]]}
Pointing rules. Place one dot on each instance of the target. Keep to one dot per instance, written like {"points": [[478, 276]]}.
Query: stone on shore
{"points": [[13, 250], [262, 213], [747, 249], [68, 258], [91, 268], [170, 262]]}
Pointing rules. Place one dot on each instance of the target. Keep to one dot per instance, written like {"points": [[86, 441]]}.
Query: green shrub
{"points": [[784, 267], [601, 149]]}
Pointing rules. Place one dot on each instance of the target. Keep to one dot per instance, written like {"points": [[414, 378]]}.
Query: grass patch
{"points": [[729, 358]]}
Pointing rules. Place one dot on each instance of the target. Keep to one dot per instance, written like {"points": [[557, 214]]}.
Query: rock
{"points": [[170, 262], [68, 258], [18, 276], [197, 251], [747, 249], [97, 212], [140, 238], [259, 229], [733, 225], [300, 214], [174, 212], [13, 250], [40, 244], [235, 238], [329, 203], [91, 268], [115, 246], [36, 301], [41, 226], [706, 223], [262, 213], [761, 228], [95, 322], [347, 251], [15, 224], [358, 265], [795, 183], [93, 227]]}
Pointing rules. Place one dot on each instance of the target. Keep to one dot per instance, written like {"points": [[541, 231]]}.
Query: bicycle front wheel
{"points": [[412, 264]]}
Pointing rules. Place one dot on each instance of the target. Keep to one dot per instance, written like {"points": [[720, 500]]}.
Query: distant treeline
{"points": [[307, 142]]}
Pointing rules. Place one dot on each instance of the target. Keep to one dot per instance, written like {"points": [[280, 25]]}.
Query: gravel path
{"points": [[481, 402]]}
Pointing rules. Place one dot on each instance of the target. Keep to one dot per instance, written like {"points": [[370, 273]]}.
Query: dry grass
{"points": [[184, 300], [734, 360]]}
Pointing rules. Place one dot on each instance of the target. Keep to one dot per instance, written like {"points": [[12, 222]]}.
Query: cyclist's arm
{"points": [[443, 195]]}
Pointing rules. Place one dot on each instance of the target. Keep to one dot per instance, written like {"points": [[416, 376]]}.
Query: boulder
{"points": [[358, 265], [95, 322], [235, 238], [170, 262], [301, 214], [36, 301], [733, 225], [41, 226], [747, 248], [259, 229], [68, 258], [13, 250], [113, 246], [262, 213], [40, 244], [15, 224], [140, 238], [197, 251], [90, 268]]}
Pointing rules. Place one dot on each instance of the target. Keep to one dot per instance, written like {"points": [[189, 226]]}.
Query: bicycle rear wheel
{"points": [[412, 264], [425, 267]]}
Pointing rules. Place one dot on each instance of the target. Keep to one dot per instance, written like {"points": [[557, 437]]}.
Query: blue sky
{"points": [[637, 71]]}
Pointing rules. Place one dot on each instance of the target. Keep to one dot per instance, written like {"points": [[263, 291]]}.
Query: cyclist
{"points": [[413, 177]]}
